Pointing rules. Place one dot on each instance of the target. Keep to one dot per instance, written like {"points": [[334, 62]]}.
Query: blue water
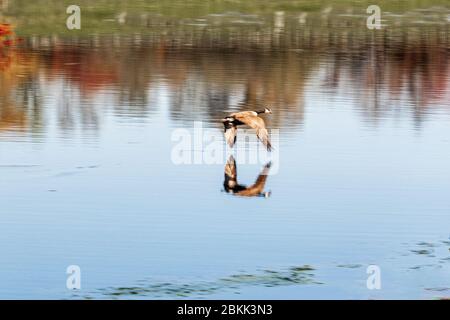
{"points": [[88, 180]]}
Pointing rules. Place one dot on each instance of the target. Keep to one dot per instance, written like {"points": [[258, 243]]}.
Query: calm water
{"points": [[363, 174]]}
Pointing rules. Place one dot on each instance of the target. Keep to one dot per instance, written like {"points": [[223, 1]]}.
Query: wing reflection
{"points": [[231, 184]]}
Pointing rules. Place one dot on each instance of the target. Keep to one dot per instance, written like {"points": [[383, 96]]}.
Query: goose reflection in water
{"points": [[255, 190]]}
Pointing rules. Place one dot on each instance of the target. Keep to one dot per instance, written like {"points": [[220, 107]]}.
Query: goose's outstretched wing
{"points": [[230, 132], [258, 124], [230, 135]]}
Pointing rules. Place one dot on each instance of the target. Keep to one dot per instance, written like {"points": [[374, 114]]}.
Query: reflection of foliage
{"points": [[16, 82], [268, 278], [5, 41], [5, 31], [204, 78], [8, 40], [210, 68]]}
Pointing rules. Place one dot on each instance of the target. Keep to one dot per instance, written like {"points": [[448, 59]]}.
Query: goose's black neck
{"points": [[261, 111]]}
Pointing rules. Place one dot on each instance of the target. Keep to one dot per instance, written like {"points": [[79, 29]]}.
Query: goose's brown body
{"points": [[249, 118]]}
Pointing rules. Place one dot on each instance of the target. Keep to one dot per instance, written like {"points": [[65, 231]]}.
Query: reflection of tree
{"points": [[19, 99], [389, 68], [256, 79], [210, 77], [18, 95]]}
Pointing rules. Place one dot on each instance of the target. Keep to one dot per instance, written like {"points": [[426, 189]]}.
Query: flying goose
{"points": [[249, 118], [232, 186]]}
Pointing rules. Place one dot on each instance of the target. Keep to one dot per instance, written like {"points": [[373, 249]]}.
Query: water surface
{"points": [[362, 176]]}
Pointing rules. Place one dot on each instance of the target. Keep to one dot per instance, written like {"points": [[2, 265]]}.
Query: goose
{"points": [[249, 118], [232, 186]]}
